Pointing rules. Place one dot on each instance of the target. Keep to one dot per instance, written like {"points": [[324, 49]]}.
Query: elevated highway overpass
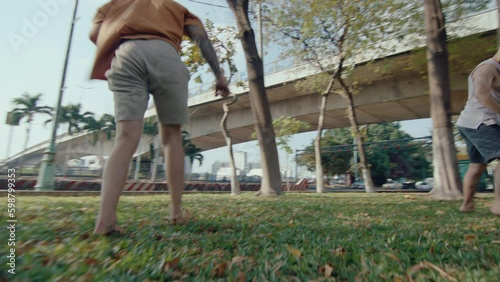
{"points": [[398, 93]]}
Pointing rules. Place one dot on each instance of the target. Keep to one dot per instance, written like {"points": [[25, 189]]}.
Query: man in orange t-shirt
{"points": [[138, 44]]}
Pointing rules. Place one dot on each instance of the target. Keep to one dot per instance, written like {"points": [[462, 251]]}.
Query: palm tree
{"points": [[71, 115], [104, 125], [101, 129], [26, 107], [190, 150]]}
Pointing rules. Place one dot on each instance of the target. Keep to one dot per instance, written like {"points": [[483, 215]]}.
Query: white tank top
{"points": [[475, 113]]}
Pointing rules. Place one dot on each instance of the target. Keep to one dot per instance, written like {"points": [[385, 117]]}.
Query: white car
{"points": [[359, 184], [427, 184], [391, 184]]}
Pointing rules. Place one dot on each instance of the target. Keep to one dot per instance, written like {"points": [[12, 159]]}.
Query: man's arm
{"points": [[94, 32], [97, 21], [483, 80], [199, 35]]}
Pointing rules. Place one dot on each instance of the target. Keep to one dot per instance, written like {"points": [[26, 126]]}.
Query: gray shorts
{"points": [[141, 67], [483, 143]]}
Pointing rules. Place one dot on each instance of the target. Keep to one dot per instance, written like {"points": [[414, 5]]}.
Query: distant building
{"points": [[218, 165], [88, 162], [224, 174], [251, 166], [255, 172], [303, 172], [240, 160]]}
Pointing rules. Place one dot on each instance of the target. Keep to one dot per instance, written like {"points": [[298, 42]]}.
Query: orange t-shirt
{"points": [[138, 19]]}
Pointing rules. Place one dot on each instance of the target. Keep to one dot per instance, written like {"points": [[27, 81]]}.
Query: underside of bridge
{"points": [[392, 89]]}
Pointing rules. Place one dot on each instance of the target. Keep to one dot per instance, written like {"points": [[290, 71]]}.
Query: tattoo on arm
{"points": [[198, 35]]}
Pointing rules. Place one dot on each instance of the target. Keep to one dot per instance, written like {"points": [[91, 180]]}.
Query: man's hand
{"points": [[221, 86]]}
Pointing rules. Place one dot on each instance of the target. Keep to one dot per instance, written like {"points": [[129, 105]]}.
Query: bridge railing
{"points": [[277, 66], [269, 68]]}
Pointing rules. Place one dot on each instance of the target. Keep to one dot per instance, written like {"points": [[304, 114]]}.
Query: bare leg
{"points": [[495, 208], [115, 173], [174, 152], [471, 180]]}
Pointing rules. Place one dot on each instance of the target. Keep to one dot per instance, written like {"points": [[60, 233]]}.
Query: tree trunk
{"points": [[27, 139], [447, 184], [235, 184], [271, 176], [320, 187], [26, 142], [9, 144], [365, 168]]}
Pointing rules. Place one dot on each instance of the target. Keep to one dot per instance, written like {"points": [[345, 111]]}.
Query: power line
{"points": [[209, 4]]}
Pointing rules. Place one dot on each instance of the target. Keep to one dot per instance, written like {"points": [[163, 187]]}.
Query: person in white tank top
{"points": [[479, 125]]}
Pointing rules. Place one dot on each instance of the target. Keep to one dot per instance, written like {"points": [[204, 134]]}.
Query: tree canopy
{"points": [[391, 153]]}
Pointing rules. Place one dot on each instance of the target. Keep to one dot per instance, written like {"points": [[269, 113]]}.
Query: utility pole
{"points": [[11, 133], [12, 120], [259, 27], [498, 28], [46, 174]]}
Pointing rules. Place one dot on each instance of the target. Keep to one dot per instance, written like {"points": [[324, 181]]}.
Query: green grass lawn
{"points": [[296, 237]]}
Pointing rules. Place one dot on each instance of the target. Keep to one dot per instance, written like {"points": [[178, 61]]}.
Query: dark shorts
{"points": [[483, 143]]}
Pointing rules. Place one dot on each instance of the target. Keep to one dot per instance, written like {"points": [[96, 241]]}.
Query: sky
{"points": [[32, 51]]}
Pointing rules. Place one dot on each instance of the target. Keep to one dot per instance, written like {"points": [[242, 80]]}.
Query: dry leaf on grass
{"points": [[393, 256], [295, 252], [219, 270], [238, 260], [410, 197], [439, 212], [171, 264], [178, 275], [328, 270], [469, 238], [341, 215], [91, 261], [427, 265], [398, 279], [340, 251], [241, 277]]}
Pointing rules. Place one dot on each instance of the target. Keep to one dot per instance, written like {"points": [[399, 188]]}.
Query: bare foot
{"points": [[495, 209], [104, 229], [178, 219], [467, 208]]}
